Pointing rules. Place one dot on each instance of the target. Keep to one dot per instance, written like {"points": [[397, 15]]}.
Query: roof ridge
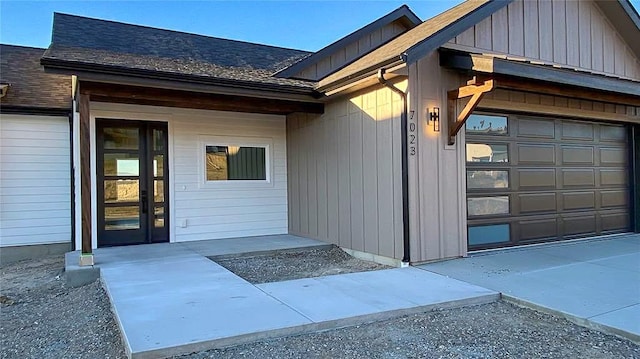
{"points": [[178, 32]]}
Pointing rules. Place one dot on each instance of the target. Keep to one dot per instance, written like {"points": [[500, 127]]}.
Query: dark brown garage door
{"points": [[535, 179]]}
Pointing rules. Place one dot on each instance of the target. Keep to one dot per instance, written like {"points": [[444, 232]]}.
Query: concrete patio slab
{"points": [[593, 282], [251, 245], [170, 299]]}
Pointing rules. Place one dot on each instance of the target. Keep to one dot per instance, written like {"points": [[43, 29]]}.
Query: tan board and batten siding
{"points": [[345, 173], [35, 189], [565, 32], [200, 210], [351, 52]]}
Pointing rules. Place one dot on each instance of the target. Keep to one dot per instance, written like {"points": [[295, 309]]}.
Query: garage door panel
{"points": [[578, 178], [617, 134], [584, 224], [568, 179], [533, 154], [615, 221], [538, 229], [540, 178], [578, 200], [612, 199], [578, 155], [537, 203], [577, 131], [613, 177], [530, 128], [613, 156]]}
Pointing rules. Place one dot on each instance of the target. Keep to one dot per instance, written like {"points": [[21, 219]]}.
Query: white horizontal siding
{"points": [[226, 211], [35, 191]]}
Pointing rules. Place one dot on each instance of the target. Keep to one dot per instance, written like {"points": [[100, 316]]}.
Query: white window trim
{"points": [[264, 142]]}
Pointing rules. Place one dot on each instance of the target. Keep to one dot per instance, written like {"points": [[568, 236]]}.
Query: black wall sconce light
{"points": [[434, 116]]}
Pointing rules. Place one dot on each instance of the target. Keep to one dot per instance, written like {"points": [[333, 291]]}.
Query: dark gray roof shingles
{"points": [[86, 41], [30, 86]]}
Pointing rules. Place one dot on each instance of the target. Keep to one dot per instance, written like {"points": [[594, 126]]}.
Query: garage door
{"points": [[535, 179]]}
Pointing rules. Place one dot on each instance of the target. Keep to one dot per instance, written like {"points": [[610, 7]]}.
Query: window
{"points": [[487, 152], [484, 206], [485, 235], [487, 179], [486, 125], [235, 160], [235, 163]]}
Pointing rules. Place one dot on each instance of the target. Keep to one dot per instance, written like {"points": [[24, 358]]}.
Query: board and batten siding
{"points": [[566, 32], [351, 52], [226, 210], [35, 180], [345, 173]]}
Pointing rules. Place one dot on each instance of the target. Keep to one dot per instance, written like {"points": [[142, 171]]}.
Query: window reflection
{"points": [[480, 152], [487, 179], [235, 163], [486, 125], [483, 206]]}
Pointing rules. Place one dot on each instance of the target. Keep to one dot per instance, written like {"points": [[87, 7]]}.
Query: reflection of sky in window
{"points": [[486, 123], [127, 167]]}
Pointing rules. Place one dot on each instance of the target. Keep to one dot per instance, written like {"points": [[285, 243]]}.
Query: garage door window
{"points": [[487, 125], [483, 179], [487, 153], [491, 234], [486, 206]]}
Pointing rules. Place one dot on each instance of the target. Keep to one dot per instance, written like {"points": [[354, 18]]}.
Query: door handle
{"points": [[143, 197]]}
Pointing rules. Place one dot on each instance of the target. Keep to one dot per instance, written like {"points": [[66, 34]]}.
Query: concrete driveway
{"points": [[593, 282]]}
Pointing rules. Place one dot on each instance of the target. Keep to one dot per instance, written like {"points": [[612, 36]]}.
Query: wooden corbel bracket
{"points": [[476, 91]]}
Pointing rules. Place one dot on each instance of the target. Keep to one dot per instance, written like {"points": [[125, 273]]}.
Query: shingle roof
{"points": [[30, 86], [102, 44], [394, 49]]}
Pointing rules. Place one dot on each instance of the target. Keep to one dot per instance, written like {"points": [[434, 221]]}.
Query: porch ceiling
{"points": [[117, 93]]}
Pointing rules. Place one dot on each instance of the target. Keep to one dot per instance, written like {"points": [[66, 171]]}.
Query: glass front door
{"points": [[131, 182]]}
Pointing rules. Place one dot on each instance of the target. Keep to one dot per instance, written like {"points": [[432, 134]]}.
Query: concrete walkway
{"points": [[594, 282], [170, 299]]}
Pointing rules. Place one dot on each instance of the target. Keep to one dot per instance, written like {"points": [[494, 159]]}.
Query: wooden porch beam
{"points": [[548, 88], [115, 93], [86, 257], [476, 91]]}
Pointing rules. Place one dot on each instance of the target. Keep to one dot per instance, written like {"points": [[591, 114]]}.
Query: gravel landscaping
{"points": [[40, 317], [296, 264]]}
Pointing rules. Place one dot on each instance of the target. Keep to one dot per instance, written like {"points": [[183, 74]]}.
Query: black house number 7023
{"points": [[412, 137]]}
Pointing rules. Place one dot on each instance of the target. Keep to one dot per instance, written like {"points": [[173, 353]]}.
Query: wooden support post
{"points": [[476, 92], [86, 257]]}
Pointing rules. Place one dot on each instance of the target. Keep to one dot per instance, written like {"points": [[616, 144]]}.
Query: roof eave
{"points": [[401, 13], [369, 71], [433, 42], [72, 66], [35, 110], [424, 47]]}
